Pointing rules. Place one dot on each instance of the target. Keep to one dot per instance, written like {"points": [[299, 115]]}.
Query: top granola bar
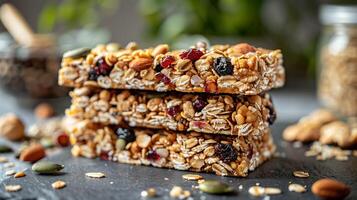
{"points": [[239, 69]]}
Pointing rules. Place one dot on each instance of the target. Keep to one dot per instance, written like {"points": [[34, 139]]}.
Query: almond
{"points": [[243, 48], [330, 189], [33, 153], [139, 64]]}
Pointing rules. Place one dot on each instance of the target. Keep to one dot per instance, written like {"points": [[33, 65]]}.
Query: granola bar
{"points": [[216, 114], [219, 154], [238, 69]]}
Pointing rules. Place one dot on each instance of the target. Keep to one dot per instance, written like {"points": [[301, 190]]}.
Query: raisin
{"points": [[226, 152], [152, 155], [104, 155], [93, 74], [103, 67], [192, 54], [223, 66], [158, 68], [199, 104], [174, 110], [127, 134]]}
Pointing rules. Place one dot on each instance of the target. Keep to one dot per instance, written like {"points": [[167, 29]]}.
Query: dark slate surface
{"points": [[126, 181]]}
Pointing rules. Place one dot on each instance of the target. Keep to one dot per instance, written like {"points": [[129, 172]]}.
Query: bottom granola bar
{"points": [[222, 155]]}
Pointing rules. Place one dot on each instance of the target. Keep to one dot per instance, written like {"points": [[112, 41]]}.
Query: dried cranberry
{"points": [[167, 61], [62, 139], [152, 155], [104, 68], [163, 78], [174, 110], [223, 66], [199, 104], [93, 74], [104, 155], [226, 152], [127, 134], [158, 68], [200, 124], [192, 54]]}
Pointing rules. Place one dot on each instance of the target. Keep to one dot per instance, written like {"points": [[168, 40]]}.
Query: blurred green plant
{"points": [[170, 19], [74, 13]]}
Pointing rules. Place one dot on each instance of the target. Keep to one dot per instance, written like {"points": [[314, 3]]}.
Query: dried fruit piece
{"points": [[174, 110], [167, 61], [58, 185], [211, 87], [199, 104], [330, 189], [13, 188], [152, 155], [62, 139], [95, 175], [223, 66], [192, 54], [44, 111], [192, 177], [103, 67], [126, 134], [158, 68], [214, 187], [46, 167], [93, 74], [33, 153], [163, 78], [226, 152]]}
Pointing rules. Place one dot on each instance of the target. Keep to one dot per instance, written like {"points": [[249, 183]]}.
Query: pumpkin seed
{"points": [[215, 187], [76, 53], [120, 144], [45, 167], [5, 149]]}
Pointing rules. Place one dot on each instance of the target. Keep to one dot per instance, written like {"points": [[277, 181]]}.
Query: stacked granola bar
{"points": [[201, 109]]}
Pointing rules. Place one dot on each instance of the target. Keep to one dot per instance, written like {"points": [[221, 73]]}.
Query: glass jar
{"points": [[337, 59]]}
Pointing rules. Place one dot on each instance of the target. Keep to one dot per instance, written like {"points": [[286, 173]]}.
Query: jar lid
{"points": [[338, 14]]}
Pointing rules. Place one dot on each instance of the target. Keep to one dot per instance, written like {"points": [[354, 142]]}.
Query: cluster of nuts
{"points": [[323, 126]]}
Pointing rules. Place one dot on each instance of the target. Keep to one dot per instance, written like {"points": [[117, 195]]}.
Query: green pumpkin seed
{"points": [[5, 148], [76, 53], [120, 144], [46, 167], [215, 187]]}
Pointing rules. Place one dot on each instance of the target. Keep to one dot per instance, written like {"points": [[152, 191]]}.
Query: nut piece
{"points": [[258, 191], [296, 188], [12, 188], [330, 189], [44, 111], [140, 64], [301, 174], [33, 153], [95, 175], [160, 49], [192, 177], [58, 185], [12, 127]]}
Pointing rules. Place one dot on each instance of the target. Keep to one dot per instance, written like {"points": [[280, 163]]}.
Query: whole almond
{"points": [[330, 189], [33, 153], [139, 64]]}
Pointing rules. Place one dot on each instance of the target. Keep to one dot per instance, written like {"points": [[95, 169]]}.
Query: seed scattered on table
{"points": [[215, 187], [178, 192], [10, 172], [3, 159], [58, 184], [301, 174], [150, 192], [13, 188], [258, 191], [192, 177], [19, 174], [46, 167], [95, 174], [296, 188], [9, 165]]}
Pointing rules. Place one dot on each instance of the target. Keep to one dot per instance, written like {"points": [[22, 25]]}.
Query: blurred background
{"points": [[290, 25]]}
